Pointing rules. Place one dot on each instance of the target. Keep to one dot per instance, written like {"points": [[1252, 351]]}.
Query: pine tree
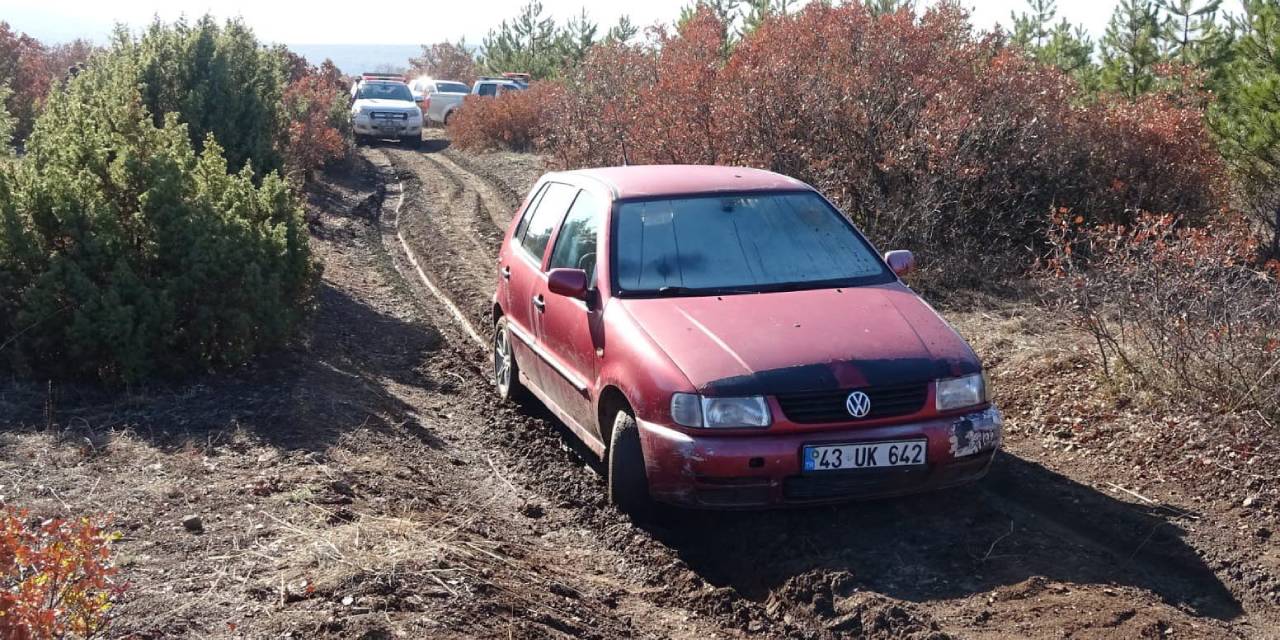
{"points": [[6, 125], [1129, 51], [527, 43], [622, 32], [576, 39], [755, 12], [1246, 117], [883, 7], [1188, 29], [1033, 29]]}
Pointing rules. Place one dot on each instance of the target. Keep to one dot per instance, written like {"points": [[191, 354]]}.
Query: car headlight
{"points": [[693, 410], [965, 391]]}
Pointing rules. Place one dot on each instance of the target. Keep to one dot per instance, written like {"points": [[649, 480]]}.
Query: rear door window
{"points": [[487, 89], [556, 199]]}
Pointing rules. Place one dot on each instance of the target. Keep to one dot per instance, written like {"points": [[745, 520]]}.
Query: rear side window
{"points": [[576, 244], [556, 199], [452, 87], [528, 212], [487, 89]]}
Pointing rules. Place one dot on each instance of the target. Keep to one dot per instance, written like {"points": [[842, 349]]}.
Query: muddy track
{"points": [[1027, 553]]}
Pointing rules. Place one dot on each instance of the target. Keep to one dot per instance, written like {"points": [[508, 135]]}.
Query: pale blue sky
{"points": [[324, 21]]}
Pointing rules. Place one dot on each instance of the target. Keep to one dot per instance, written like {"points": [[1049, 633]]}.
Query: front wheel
{"points": [[628, 482], [506, 373]]}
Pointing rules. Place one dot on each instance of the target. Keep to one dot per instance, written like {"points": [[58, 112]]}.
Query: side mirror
{"points": [[902, 262], [570, 283]]}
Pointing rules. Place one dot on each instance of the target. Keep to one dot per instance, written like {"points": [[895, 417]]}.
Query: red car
{"points": [[726, 338]]}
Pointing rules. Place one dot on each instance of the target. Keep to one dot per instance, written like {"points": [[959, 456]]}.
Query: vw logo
{"points": [[858, 404]]}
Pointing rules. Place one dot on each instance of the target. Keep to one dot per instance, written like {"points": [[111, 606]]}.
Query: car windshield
{"points": [[741, 243], [385, 91], [452, 87]]}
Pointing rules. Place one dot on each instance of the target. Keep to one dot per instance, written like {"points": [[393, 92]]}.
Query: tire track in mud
{"points": [[456, 222]]}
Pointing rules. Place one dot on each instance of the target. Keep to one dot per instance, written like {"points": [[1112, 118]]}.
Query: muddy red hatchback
{"points": [[724, 337]]}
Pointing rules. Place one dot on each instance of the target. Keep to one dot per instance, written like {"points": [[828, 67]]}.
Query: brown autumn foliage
{"points": [[1179, 310], [57, 579], [514, 120], [30, 69], [929, 137], [319, 126]]}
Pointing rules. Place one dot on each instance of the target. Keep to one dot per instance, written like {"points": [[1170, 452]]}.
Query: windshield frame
{"points": [[885, 276], [361, 96]]}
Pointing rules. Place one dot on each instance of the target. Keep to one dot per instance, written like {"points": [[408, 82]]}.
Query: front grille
{"points": [[815, 407], [389, 115]]}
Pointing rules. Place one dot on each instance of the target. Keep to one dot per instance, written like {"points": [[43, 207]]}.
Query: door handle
{"points": [[539, 303], [506, 272]]}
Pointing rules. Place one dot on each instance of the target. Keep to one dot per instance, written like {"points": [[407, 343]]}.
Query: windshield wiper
{"points": [[689, 291]]}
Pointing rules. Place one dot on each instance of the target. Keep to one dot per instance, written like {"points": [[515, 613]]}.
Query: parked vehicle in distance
{"points": [[439, 98], [382, 106], [496, 86], [726, 338]]}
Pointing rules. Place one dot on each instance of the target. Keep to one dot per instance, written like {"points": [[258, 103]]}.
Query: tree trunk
{"points": [[1275, 235]]}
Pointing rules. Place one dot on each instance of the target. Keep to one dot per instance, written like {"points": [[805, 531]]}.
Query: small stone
{"points": [[193, 524], [1248, 502], [347, 600]]}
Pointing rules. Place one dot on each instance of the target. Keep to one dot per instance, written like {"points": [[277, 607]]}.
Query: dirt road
{"points": [[365, 483]]}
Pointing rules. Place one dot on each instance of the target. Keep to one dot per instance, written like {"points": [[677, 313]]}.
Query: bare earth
{"points": [[365, 483]]}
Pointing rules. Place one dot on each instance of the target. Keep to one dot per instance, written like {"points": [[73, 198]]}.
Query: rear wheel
{"points": [[628, 483], [506, 374]]}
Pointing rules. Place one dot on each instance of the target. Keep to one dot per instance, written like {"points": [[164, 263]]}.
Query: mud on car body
{"points": [[726, 338]]}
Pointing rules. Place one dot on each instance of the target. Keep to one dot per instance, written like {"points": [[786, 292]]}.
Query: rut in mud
{"points": [[1027, 553]]}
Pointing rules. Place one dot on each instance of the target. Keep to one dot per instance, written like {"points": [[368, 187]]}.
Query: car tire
{"points": [[362, 141], [628, 482], [506, 373], [445, 122]]}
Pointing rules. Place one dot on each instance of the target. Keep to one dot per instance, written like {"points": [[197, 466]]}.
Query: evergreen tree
{"points": [[883, 7], [1033, 29], [1187, 29], [755, 12], [1129, 51], [622, 32], [576, 39], [6, 125], [1246, 117], [528, 43]]}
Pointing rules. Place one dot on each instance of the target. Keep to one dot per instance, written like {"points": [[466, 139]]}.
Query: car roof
{"points": [[641, 181]]}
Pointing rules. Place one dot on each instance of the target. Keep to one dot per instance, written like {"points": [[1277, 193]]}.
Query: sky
{"points": [[425, 21]]}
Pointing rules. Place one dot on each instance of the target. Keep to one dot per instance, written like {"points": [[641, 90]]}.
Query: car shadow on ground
{"points": [[1022, 521], [303, 397]]}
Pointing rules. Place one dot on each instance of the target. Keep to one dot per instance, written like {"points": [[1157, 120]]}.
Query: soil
{"points": [[367, 483]]}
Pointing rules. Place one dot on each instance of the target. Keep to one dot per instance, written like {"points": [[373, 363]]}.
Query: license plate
{"points": [[865, 455]]}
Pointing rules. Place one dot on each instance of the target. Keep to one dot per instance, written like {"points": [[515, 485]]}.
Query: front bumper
{"points": [[398, 130], [744, 471]]}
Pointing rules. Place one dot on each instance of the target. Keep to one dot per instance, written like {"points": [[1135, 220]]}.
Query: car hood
{"points": [[389, 105], [792, 341]]}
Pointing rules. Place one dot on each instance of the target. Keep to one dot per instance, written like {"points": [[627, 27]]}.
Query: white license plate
{"points": [[865, 455]]}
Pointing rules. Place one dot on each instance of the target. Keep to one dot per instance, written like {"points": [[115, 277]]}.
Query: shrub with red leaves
{"points": [[31, 69], [319, 130], [514, 120], [1186, 312], [931, 138], [56, 578]]}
